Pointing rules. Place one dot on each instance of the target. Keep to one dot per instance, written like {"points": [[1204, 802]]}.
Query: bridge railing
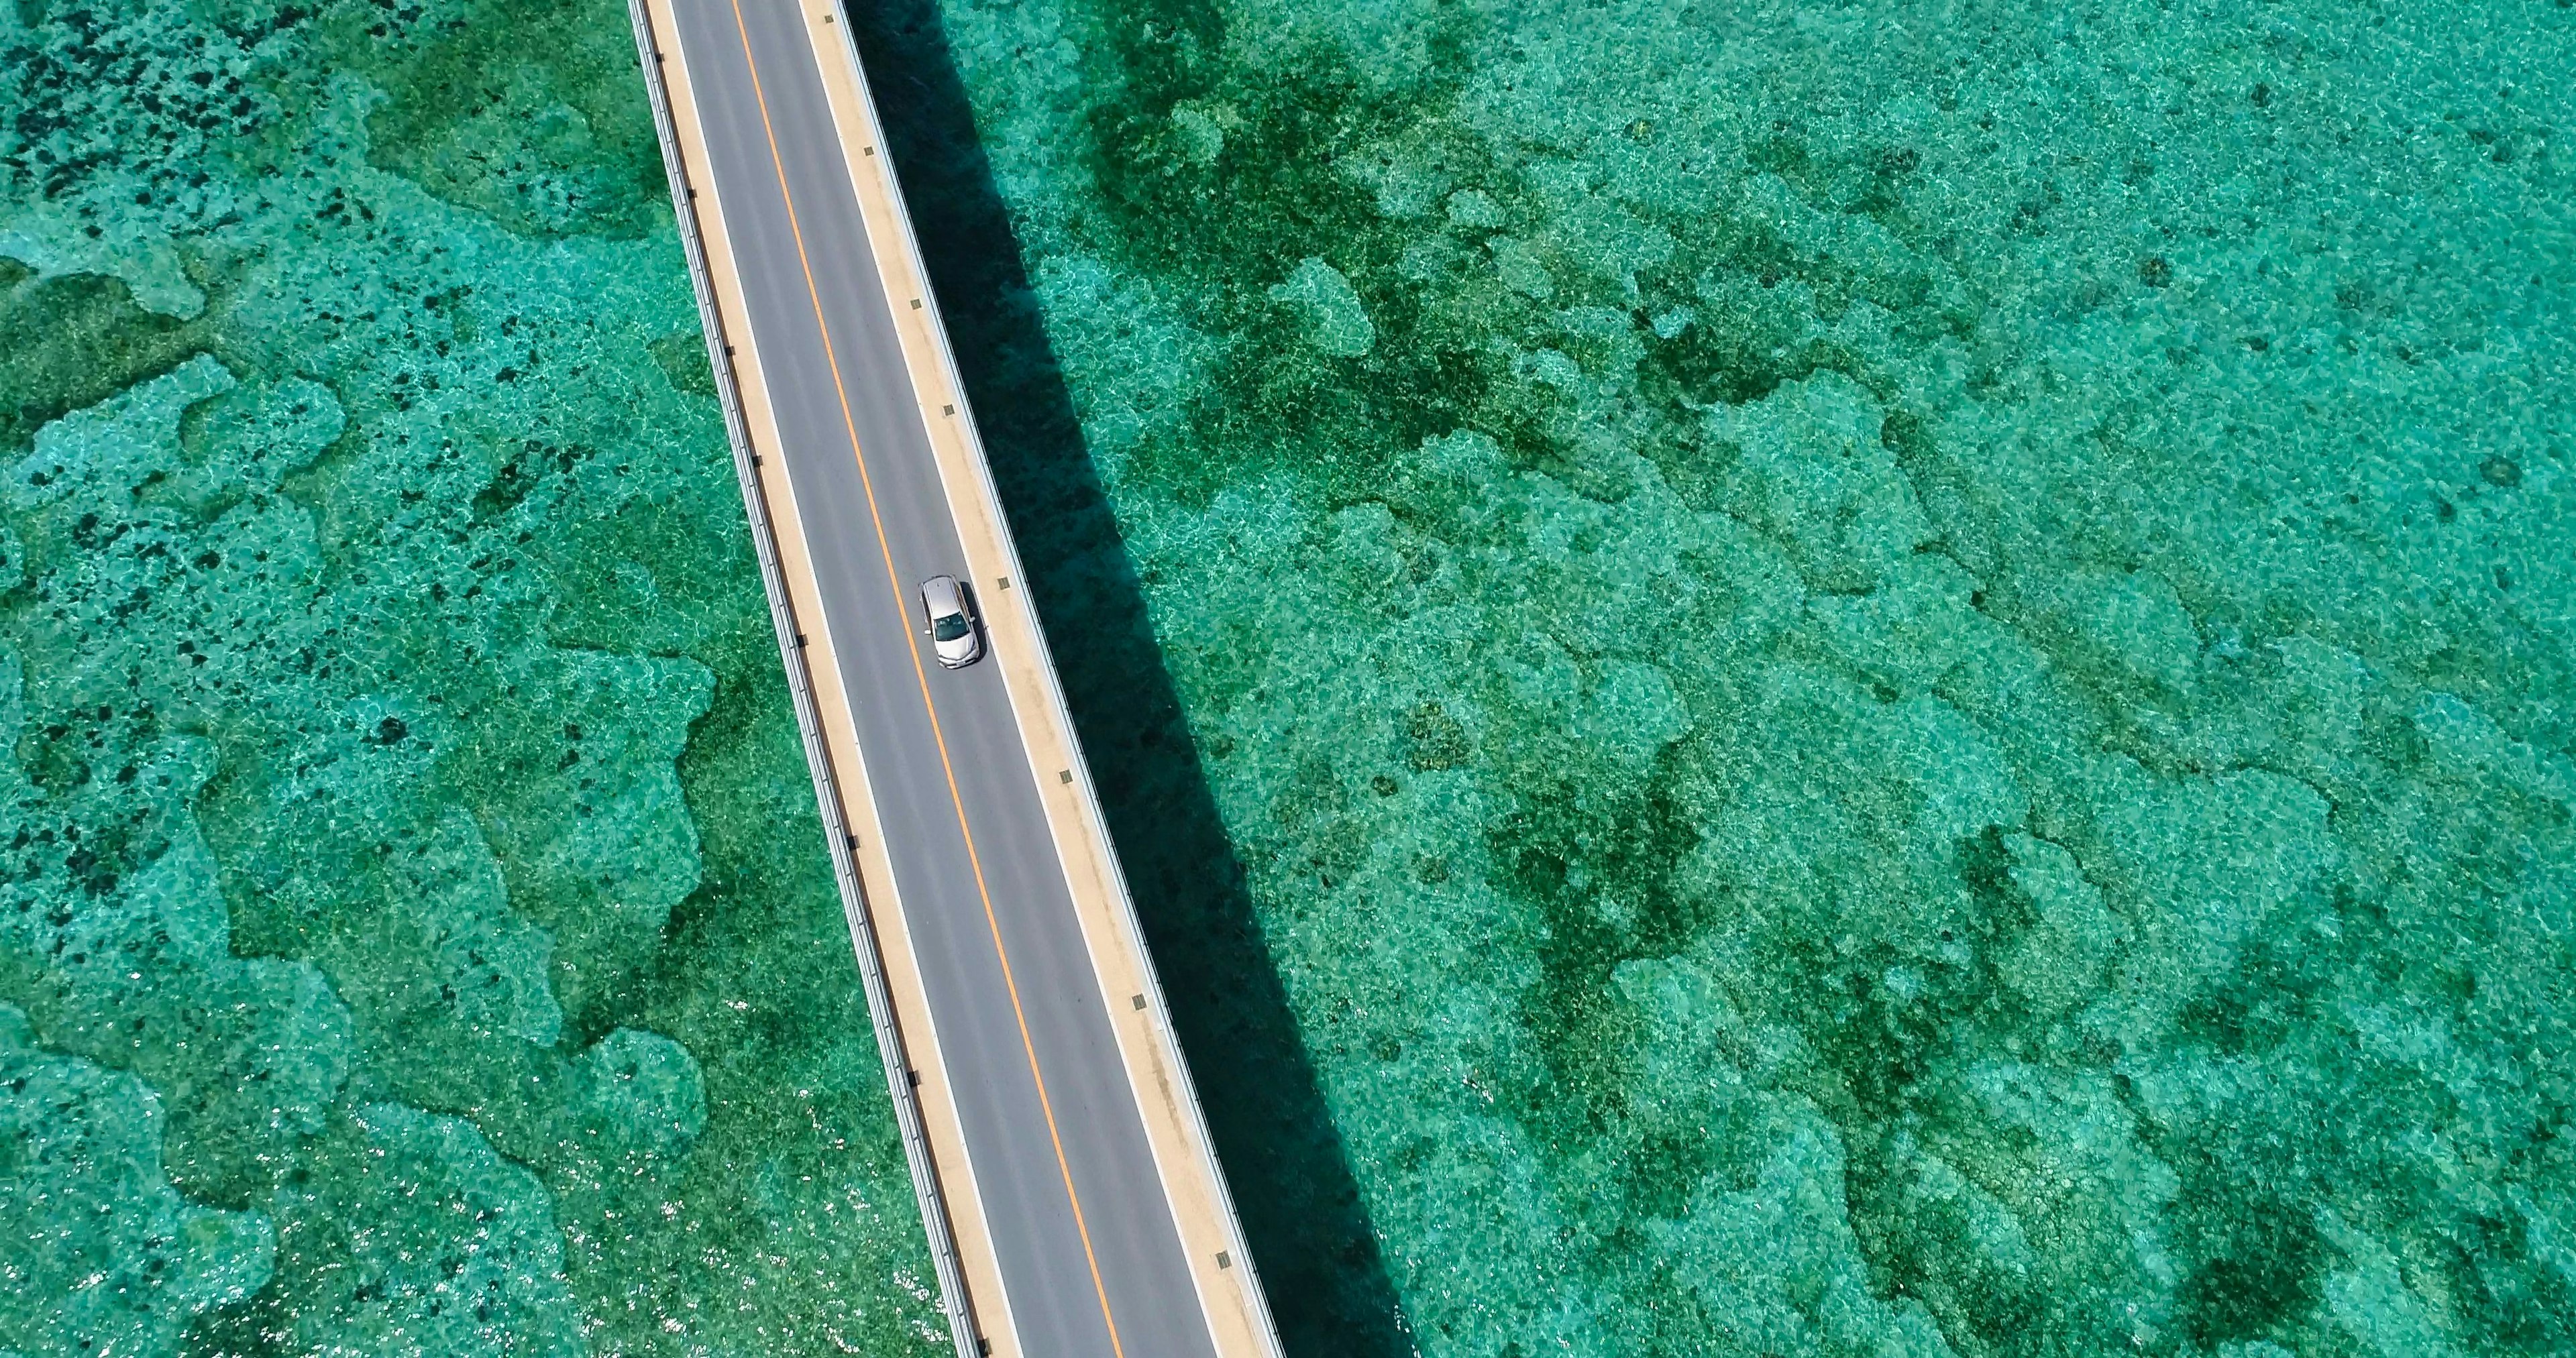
{"points": [[1095, 822], [809, 726]]}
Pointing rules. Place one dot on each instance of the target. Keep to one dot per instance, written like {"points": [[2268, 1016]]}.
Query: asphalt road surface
{"points": [[1062, 1168]]}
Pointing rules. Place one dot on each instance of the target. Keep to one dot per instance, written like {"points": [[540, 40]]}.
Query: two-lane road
{"points": [[1089, 1255]]}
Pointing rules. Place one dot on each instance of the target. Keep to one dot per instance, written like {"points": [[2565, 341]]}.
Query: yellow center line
{"points": [[894, 582]]}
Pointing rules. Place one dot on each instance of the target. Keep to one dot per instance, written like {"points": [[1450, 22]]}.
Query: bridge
{"points": [[1073, 1204]]}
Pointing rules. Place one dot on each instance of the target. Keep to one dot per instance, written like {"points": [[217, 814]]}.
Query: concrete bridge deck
{"points": [[1073, 1204]]}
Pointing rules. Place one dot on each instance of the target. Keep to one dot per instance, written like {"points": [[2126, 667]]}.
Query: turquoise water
{"points": [[1890, 677], [1779, 679], [416, 935]]}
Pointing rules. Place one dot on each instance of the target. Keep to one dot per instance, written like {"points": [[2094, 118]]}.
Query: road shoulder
{"points": [[1229, 1292], [879, 910]]}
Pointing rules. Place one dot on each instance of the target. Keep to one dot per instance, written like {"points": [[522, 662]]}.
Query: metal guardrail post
{"points": [[818, 759]]}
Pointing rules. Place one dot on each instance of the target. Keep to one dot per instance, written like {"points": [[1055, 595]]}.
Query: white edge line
{"points": [[1266, 1330], [997, 1314], [863, 941]]}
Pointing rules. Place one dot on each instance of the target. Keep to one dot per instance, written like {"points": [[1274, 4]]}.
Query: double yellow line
{"points": [[894, 583]]}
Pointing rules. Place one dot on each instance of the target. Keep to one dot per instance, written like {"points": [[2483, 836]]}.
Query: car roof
{"points": [[940, 592]]}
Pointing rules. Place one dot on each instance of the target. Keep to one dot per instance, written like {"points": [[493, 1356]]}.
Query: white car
{"points": [[954, 637]]}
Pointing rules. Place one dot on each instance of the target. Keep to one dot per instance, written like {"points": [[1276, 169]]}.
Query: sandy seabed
{"points": [[1866, 678]]}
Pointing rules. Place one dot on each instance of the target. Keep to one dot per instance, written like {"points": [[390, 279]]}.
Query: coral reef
{"points": [[101, 1245], [415, 912], [1890, 678]]}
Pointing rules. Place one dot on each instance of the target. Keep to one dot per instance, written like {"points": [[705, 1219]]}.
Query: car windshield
{"points": [[949, 628]]}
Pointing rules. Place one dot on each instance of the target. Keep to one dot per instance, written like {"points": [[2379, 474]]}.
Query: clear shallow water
{"points": [[1887, 678], [1890, 678], [416, 937]]}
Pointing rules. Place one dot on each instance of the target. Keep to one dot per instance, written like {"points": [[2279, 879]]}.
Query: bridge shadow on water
{"points": [[1292, 1182]]}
